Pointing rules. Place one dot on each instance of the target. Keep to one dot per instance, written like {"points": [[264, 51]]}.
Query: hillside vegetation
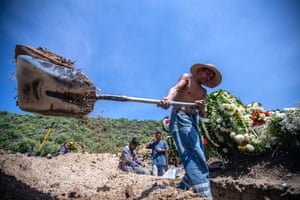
{"points": [[22, 133]]}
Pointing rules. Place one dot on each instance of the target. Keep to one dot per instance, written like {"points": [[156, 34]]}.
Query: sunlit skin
{"points": [[189, 89]]}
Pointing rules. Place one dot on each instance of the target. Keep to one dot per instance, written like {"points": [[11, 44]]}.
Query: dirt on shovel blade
{"points": [[49, 84]]}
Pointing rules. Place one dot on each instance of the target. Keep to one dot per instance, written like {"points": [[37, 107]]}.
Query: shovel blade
{"points": [[50, 89]]}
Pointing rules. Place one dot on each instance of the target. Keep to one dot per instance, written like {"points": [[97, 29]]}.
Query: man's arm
{"points": [[182, 82], [149, 144], [165, 147], [138, 161], [200, 105], [126, 156]]}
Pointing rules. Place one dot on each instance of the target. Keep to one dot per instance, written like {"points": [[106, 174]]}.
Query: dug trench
{"points": [[96, 176]]}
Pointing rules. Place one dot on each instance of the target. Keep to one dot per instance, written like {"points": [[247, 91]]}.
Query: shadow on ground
{"points": [[12, 189]]}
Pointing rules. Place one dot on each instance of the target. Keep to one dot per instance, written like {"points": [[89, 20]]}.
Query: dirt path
{"points": [[96, 176]]}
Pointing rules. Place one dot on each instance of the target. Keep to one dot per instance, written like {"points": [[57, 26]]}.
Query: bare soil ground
{"points": [[96, 176]]}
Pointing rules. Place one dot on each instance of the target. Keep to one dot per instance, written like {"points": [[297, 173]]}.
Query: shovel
{"points": [[49, 84]]}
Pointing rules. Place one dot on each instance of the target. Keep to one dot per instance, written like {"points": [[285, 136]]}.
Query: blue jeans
{"points": [[183, 129], [158, 170], [139, 170]]}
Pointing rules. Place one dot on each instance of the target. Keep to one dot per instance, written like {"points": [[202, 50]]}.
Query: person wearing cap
{"points": [[129, 160], [184, 128], [159, 150]]}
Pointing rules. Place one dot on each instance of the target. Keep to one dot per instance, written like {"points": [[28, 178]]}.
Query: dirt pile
{"points": [[79, 176], [269, 176], [96, 176]]}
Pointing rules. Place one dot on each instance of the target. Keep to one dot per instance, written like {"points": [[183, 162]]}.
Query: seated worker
{"points": [[129, 160], [159, 150]]}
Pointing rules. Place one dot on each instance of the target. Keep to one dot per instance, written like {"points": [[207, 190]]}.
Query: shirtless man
{"points": [[184, 128]]}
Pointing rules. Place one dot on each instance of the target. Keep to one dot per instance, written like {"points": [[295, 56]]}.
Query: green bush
{"points": [[24, 145], [285, 129], [22, 132], [50, 148]]}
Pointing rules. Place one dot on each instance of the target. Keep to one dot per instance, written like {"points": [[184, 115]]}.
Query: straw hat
{"points": [[213, 82]]}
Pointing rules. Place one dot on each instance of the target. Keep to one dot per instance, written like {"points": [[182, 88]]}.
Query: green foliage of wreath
{"points": [[230, 128]]}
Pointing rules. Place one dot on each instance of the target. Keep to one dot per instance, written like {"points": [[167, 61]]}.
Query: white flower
{"points": [[281, 115], [232, 107], [232, 134], [252, 137], [255, 105], [238, 138], [250, 147], [219, 120], [241, 109], [256, 141], [225, 106], [262, 115], [249, 110], [247, 116], [248, 120]]}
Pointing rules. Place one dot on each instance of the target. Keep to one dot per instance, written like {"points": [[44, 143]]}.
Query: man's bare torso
{"points": [[191, 92], [187, 89]]}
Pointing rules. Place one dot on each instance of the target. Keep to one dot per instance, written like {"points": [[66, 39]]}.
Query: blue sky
{"points": [[140, 47]]}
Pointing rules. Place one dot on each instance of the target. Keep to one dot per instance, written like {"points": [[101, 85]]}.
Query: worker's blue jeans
{"points": [[139, 170], [183, 128], [158, 170]]}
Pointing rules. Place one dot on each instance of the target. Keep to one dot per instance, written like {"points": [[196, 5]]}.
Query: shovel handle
{"points": [[140, 100]]}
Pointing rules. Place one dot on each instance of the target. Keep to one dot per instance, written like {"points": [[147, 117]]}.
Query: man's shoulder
{"points": [[126, 148], [162, 142], [185, 76], [154, 143]]}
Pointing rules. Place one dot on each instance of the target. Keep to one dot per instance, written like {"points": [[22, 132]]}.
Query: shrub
{"points": [[50, 148], [285, 129], [23, 145]]}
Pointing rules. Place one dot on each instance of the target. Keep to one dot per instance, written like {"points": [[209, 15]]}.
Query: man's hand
{"points": [[200, 104], [161, 149], [153, 139], [164, 103]]}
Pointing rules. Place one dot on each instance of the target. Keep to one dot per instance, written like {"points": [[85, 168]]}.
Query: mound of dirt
{"points": [[269, 176], [79, 176], [96, 176]]}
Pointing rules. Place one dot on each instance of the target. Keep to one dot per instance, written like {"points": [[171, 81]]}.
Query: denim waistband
{"points": [[193, 113]]}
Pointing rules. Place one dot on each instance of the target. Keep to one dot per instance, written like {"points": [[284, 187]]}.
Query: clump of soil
{"points": [[96, 176]]}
